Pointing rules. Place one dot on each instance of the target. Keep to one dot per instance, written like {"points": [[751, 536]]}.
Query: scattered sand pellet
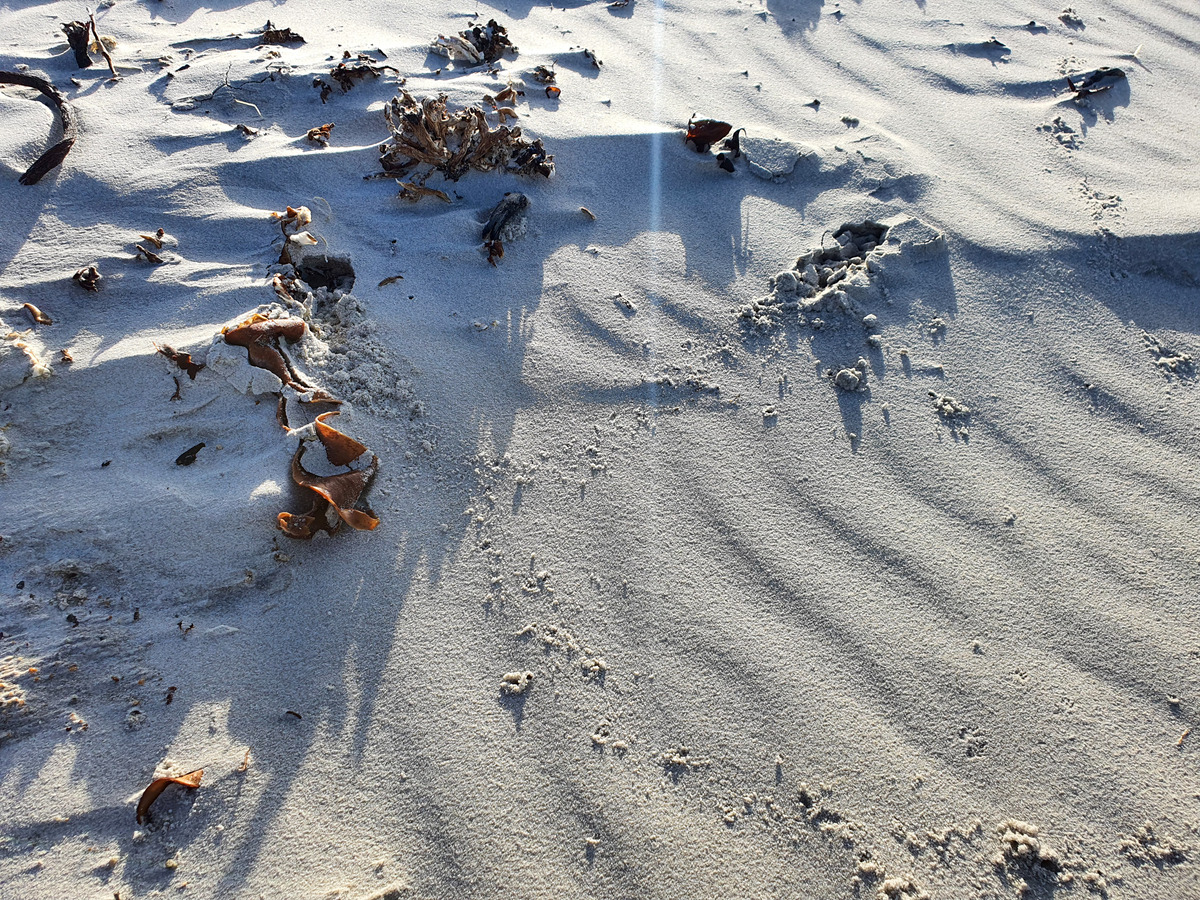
{"points": [[513, 683]]}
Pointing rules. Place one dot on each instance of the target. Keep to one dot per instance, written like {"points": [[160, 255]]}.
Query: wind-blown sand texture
{"points": [[692, 578]]}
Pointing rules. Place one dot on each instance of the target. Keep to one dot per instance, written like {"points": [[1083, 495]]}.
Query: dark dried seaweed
{"points": [[56, 154], [272, 35], [351, 71]]}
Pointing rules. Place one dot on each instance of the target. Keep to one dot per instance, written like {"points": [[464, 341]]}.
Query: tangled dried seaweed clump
{"points": [[426, 132], [477, 45]]}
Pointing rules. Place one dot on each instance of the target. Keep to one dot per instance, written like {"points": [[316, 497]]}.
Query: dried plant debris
{"points": [[350, 71], [292, 219], [183, 360], [509, 95], [506, 222], [339, 447], [542, 75], [1095, 81], [191, 781], [320, 134], [427, 133], [56, 154], [88, 278], [336, 495], [39, 317], [703, 133], [272, 35], [477, 45], [291, 223]]}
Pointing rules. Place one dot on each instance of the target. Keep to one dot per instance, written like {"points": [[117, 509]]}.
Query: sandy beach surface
{"points": [[808, 510]]}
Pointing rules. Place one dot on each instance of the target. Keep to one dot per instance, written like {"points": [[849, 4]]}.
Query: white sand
{"points": [[954, 656]]}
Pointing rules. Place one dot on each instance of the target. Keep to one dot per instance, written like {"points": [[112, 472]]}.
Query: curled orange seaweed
{"points": [[260, 336], [341, 491], [158, 785], [339, 447]]}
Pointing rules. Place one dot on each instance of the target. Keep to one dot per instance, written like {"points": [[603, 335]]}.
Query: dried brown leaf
{"points": [[150, 255]]}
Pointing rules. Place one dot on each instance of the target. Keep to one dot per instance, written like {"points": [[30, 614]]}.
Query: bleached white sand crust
{"points": [[658, 606]]}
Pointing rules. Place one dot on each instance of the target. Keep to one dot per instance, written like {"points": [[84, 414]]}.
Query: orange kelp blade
{"points": [[158, 785], [339, 447], [341, 491]]}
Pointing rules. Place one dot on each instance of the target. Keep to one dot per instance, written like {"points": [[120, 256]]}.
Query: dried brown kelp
{"points": [[260, 336], [88, 278], [478, 44], [320, 134], [272, 35], [183, 360], [56, 154], [339, 447], [426, 132], [37, 315], [77, 37], [350, 71], [703, 133], [412, 192], [188, 456], [335, 494], [191, 780], [1102, 79]]}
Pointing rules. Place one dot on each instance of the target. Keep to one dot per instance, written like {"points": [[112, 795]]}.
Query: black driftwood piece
{"points": [[56, 154], [77, 36]]}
